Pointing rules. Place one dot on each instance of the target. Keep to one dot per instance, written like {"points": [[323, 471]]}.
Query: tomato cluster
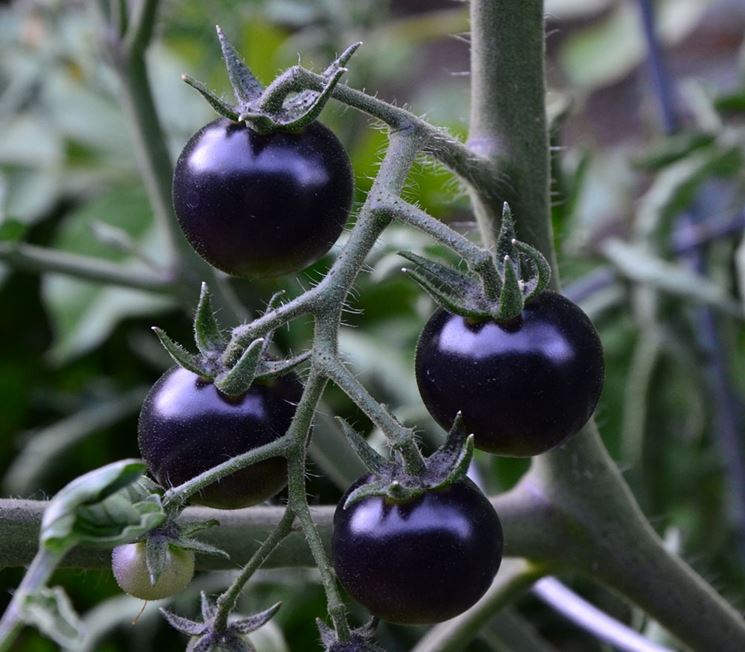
{"points": [[264, 204]]}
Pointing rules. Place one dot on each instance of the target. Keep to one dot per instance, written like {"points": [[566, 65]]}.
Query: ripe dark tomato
{"points": [[418, 562], [131, 574], [261, 205], [187, 426], [523, 386]]}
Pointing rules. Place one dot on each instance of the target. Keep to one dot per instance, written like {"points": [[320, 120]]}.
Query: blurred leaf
{"points": [[672, 149], [675, 187], [46, 446], [12, 230], [608, 49], [639, 264], [84, 313], [51, 612]]}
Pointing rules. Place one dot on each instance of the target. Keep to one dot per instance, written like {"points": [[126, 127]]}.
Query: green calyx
{"points": [[208, 636], [235, 380], [496, 288], [158, 540], [361, 639], [272, 109], [390, 478]]}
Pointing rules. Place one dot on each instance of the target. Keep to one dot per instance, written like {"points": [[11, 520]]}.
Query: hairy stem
{"points": [[227, 601], [508, 119]]}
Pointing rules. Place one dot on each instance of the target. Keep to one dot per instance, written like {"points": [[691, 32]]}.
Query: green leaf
{"points": [[180, 355], [84, 313], [104, 507], [642, 266], [50, 611]]}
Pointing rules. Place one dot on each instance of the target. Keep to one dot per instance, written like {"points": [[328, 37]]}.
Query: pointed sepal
{"points": [[208, 606], [361, 639], [249, 624], [236, 381], [492, 290], [217, 103], [207, 333], [246, 87], [275, 112], [181, 356], [511, 297], [541, 270], [449, 463], [454, 291], [373, 461], [156, 557], [183, 625]]}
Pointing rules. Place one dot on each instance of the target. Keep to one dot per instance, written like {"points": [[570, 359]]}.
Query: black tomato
{"points": [[523, 386], [418, 562], [187, 426], [261, 205]]}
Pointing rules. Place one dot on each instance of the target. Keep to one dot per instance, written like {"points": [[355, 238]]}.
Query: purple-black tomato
{"points": [[258, 205], [187, 426], [523, 386], [418, 562], [130, 571]]}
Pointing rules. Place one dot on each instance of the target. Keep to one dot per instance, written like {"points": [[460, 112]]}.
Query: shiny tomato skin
{"points": [[523, 387], [256, 205], [419, 562], [187, 426]]}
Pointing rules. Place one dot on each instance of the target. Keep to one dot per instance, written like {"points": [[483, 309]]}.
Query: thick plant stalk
{"points": [[582, 506]]}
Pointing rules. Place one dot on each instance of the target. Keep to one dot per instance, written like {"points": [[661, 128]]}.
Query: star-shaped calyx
{"points": [[208, 364], [390, 478], [519, 274], [206, 637], [283, 105]]}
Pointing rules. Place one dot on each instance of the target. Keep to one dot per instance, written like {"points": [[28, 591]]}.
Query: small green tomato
{"points": [[131, 574]]}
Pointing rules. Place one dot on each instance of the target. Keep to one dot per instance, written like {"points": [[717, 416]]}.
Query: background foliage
{"points": [[631, 209]]}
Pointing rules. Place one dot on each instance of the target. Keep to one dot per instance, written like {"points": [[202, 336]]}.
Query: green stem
{"points": [[175, 497], [400, 437], [41, 259], [34, 580], [478, 258], [435, 141], [508, 119], [298, 501], [227, 601]]}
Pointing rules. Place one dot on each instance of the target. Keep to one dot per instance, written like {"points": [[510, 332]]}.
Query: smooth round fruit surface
{"points": [[258, 205], [523, 386], [187, 426], [131, 574], [418, 562]]}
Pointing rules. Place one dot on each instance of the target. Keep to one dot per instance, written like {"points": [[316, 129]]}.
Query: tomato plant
{"points": [[187, 426], [523, 386], [131, 572], [262, 204], [420, 561]]}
